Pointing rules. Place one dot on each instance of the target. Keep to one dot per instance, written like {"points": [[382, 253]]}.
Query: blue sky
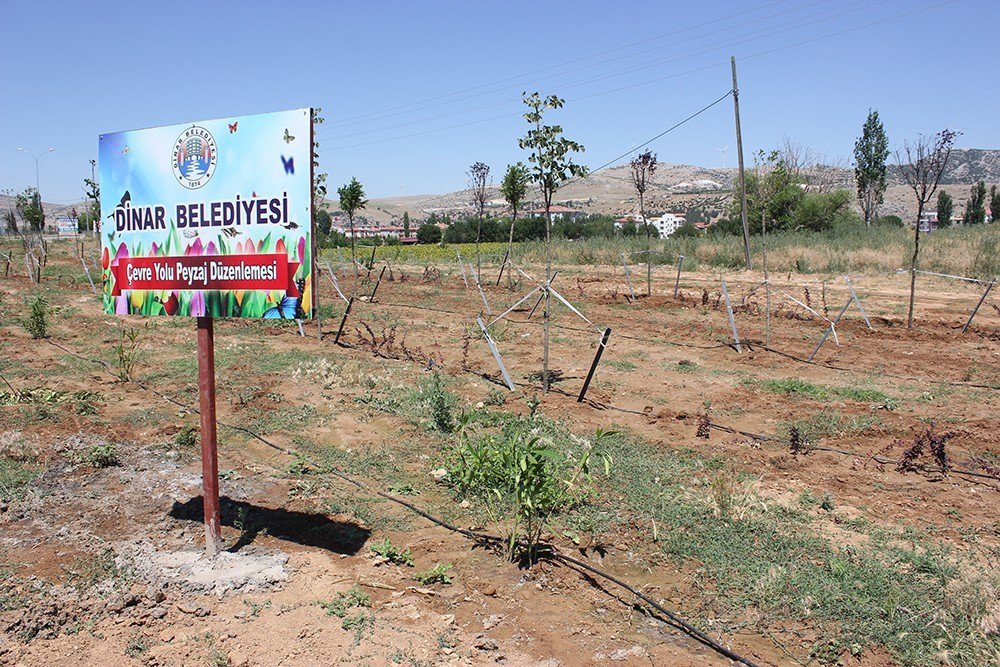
{"points": [[451, 73]]}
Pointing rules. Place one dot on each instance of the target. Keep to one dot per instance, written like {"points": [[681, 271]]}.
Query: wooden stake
{"points": [[743, 180], [343, 321], [593, 366], [732, 320], [209, 444], [377, 283], [677, 283], [981, 300]]}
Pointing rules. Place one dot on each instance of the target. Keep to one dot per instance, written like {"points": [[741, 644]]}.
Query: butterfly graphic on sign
{"points": [[125, 151], [231, 232], [126, 199], [232, 127], [288, 138], [190, 233], [289, 164], [290, 307]]}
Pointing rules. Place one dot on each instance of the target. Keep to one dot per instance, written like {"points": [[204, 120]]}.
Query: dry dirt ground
{"points": [[102, 564]]}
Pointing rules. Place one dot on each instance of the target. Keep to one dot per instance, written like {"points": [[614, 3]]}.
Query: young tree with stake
{"points": [[870, 153], [922, 163], [643, 167], [352, 198], [513, 188], [478, 173], [551, 166]]}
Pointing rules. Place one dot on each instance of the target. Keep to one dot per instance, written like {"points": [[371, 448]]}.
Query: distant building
{"points": [[928, 221], [665, 225], [557, 212]]}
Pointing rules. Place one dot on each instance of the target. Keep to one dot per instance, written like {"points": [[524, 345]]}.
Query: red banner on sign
{"points": [[206, 272]]}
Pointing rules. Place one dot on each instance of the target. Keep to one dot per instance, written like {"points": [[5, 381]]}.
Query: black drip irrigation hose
{"points": [[552, 554]]}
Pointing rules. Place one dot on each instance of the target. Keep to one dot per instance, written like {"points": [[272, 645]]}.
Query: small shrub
{"points": [[127, 352], [187, 437], [927, 441], [136, 646], [104, 455], [436, 575], [496, 397], [37, 323], [392, 554], [352, 598]]}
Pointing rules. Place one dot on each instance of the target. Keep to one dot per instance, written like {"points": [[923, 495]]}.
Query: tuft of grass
{"points": [[104, 455], [804, 388], [37, 323], [352, 598]]}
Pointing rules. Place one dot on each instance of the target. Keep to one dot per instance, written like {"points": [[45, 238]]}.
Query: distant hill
{"points": [[675, 187]]}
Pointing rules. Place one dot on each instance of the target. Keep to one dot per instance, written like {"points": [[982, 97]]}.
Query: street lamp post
{"points": [[38, 192]]}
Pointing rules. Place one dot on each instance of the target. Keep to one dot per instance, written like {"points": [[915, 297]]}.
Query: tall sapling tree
{"points": [[551, 166], [870, 153], [478, 174], [922, 163], [513, 189], [642, 169], [352, 199]]}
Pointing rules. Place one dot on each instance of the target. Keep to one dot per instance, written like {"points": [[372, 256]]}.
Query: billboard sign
{"points": [[212, 218], [68, 226]]}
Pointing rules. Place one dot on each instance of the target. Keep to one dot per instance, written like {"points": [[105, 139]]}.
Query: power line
{"points": [[650, 81], [346, 121], [767, 31]]}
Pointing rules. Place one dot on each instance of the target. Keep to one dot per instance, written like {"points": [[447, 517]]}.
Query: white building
{"points": [[668, 223]]}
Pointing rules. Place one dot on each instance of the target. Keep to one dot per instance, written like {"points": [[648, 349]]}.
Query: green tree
{"points": [[428, 233], [642, 170], [513, 189], [91, 218], [406, 224], [323, 222], [994, 204], [352, 199], [975, 208], [551, 166], [29, 207], [945, 207], [871, 151]]}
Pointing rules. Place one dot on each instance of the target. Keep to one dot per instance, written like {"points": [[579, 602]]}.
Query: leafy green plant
{"points": [[37, 323], [136, 646], [436, 575], [522, 480], [127, 352], [392, 554], [439, 404]]}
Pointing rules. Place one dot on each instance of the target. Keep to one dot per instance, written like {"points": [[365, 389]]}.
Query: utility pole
{"points": [[743, 180]]}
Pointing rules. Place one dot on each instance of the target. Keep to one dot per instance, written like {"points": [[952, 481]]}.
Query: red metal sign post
{"points": [[209, 446]]}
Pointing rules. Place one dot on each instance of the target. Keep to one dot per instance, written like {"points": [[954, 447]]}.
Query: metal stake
{"points": [[677, 283], [833, 325], [628, 277], [732, 320], [496, 354], [857, 301], [976, 309]]}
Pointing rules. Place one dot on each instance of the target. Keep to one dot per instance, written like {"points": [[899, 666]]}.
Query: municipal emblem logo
{"points": [[194, 157]]}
